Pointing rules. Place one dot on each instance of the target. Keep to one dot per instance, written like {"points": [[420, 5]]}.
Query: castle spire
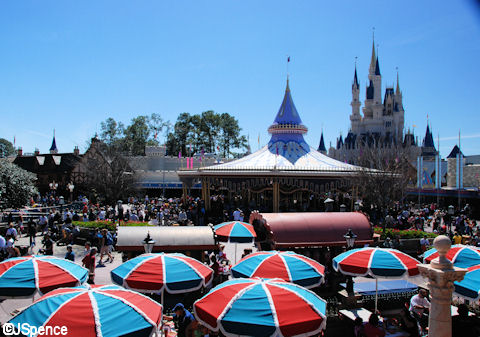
{"points": [[373, 60], [398, 84], [53, 148], [355, 78], [321, 146], [377, 68]]}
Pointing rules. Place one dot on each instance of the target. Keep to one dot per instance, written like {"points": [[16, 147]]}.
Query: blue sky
{"points": [[69, 65]]}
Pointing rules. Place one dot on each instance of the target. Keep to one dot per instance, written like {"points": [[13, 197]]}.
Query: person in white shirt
{"points": [[424, 243], [102, 214], [419, 304], [11, 231]]}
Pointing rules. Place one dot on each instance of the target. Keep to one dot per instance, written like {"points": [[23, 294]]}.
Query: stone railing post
{"points": [[440, 275]]}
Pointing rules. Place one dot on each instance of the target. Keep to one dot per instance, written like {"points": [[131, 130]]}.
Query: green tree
{"points": [[230, 135], [210, 129], [182, 133], [111, 131], [205, 131], [136, 136], [17, 186], [143, 130], [6, 148]]}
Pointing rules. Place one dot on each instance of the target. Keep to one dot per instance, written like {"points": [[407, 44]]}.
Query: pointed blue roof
{"points": [[287, 114], [287, 124], [428, 140], [454, 152], [322, 147], [54, 145]]}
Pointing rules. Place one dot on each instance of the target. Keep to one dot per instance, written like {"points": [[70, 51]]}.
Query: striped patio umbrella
{"points": [[462, 256], [288, 266], [94, 311], [158, 272], [376, 262], [26, 275], [261, 307], [235, 231], [470, 285]]}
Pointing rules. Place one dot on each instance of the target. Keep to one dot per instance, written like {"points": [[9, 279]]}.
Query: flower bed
{"points": [[402, 234], [110, 225]]}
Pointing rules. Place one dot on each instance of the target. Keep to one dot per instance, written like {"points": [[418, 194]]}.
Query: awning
{"points": [[167, 238], [290, 230]]}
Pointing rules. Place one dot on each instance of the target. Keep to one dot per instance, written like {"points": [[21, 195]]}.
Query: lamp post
{"points": [[350, 239], [451, 213], [148, 243], [356, 206], [70, 187]]}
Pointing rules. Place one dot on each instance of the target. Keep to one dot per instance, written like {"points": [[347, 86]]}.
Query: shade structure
{"points": [[462, 256], [470, 285], [26, 275], [94, 311], [376, 262], [235, 231], [156, 272], [288, 266], [261, 307]]}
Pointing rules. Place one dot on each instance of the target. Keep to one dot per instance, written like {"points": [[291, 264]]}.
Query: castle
{"points": [[381, 123]]}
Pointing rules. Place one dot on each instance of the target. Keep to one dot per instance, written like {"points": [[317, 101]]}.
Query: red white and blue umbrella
{"points": [[376, 262], [261, 307], [470, 285], [156, 272], [461, 256], [24, 276], [94, 311], [235, 231], [288, 266]]}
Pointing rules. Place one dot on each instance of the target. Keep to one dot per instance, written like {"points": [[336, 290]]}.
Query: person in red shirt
{"points": [[89, 263]]}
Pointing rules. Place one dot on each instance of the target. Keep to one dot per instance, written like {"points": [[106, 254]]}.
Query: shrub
{"points": [[110, 225], [402, 234]]}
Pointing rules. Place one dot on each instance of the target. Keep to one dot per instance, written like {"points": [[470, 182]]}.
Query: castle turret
{"points": [[321, 146], [355, 117], [428, 146], [53, 148]]}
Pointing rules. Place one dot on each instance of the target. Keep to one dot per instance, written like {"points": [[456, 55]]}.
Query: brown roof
{"points": [[289, 230]]}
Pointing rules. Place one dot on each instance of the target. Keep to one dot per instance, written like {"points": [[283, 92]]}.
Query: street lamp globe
{"points": [[148, 243], [350, 238], [71, 186]]}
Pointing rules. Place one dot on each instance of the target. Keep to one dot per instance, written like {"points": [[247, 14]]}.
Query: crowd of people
{"points": [[56, 223]]}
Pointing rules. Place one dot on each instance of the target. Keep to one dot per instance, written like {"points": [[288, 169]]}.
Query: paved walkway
{"points": [[102, 274]]}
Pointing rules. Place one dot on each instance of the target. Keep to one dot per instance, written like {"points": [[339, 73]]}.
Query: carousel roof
{"points": [[287, 149]]}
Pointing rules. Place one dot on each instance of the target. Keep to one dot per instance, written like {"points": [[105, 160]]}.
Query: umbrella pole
{"points": [[376, 295], [161, 302], [236, 252]]}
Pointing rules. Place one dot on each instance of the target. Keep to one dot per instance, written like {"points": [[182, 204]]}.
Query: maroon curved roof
{"points": [[315, 229]]}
